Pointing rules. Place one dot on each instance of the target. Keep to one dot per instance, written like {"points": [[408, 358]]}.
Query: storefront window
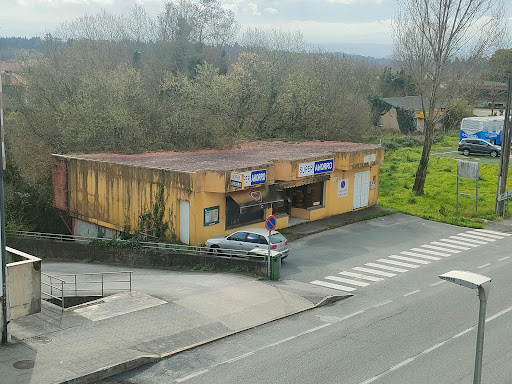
{"points": [[236, 217], [306, 196]]}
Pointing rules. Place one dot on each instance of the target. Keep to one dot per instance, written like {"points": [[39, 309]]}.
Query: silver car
{"points": [[241, 242]]}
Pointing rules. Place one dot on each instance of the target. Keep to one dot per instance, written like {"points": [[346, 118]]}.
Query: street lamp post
{"points": [[482, 283]]}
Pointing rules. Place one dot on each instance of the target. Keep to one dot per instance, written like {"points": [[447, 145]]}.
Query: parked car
{"points": [[478, 146], [241, 242]]}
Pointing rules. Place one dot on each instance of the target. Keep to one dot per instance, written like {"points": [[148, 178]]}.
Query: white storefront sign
{"points": [[315, 167], [249, 178], [370, 158]]}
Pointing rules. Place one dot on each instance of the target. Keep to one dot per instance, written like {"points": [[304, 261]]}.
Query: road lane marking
{"points": [[504, 258], [333, 286], [407, 253], [191, 376], [347, 281], [412, 293], [468, 241], [374, 271], [498, 314], [463, 332], [360, 276], [314, 329], [386, 268], [439, 248], [424, 262], [478, 237], [353, 314], [410, 359], [430, 252], [450, 245], [383, 303], [279, 342], [486, 235], [439, 282], [400, 264], [493, 232], [485, 265], [434, 347], [459, 242]]}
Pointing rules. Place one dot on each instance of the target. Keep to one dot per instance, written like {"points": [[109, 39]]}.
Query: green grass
{"points": [[438, 202]]}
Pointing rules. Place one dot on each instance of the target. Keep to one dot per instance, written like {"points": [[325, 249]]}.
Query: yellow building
{"points": [[212, 192]]}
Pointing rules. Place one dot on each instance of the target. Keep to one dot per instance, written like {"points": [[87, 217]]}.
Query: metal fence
{"points": [[176, 248], [85, 284]]}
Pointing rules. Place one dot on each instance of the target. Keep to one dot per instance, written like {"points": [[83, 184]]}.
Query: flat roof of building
{"points": [[247, 155]]}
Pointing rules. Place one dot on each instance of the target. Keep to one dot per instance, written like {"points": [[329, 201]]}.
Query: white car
{"points": [[241, 242]]}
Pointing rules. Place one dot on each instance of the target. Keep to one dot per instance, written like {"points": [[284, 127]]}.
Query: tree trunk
{"points": [[421, 173]]}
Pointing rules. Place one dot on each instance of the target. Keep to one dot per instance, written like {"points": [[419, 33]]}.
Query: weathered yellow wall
{"points": [[114, 196]]}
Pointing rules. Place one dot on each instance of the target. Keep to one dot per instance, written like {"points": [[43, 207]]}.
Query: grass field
{"points": [[439, 201]]}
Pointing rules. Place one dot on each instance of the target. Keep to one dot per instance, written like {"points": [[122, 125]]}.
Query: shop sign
{"points": [[370, 158], [342, 187], [249, 178], [315, 168]]}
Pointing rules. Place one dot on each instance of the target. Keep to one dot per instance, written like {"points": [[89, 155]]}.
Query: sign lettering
{"points": [[315, 168], [249, 178]]}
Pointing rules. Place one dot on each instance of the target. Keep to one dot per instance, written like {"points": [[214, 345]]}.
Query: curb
{"points": [[128, 365]]}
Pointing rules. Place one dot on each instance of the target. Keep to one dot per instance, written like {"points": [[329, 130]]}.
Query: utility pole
{"points": [[505, 154], [3, 255]]}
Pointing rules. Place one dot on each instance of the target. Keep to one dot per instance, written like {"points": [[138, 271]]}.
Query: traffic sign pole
{"points": [[270, 225]]}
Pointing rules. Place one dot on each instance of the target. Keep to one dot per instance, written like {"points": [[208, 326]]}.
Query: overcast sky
{"points": [[352, 26]]}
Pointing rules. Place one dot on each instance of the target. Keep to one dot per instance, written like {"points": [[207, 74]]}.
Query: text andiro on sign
{"points": [[249, 178], [315, 168]]}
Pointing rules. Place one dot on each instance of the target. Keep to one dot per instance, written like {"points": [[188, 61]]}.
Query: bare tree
{"points": [[429, 36]]}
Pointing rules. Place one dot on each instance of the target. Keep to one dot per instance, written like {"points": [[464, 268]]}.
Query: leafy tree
{"points": [[500, 65], [431, 33]]}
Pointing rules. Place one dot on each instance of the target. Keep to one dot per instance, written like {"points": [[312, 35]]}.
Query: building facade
{"points": [[208, 193]]}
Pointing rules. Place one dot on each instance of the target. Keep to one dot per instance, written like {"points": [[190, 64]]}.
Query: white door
{"points": [[184, 221], [361, 189]]}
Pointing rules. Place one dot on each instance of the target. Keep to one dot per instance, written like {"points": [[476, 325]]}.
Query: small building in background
{"points": [[206, 193], [389, 120]]}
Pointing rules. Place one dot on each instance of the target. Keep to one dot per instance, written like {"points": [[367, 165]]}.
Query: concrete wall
{"points": [[23, 284], [78, 252]]}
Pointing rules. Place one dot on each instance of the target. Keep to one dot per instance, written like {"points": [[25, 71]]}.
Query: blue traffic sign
{"points": [[270, 223]]}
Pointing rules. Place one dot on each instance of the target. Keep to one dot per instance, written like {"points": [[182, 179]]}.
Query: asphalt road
{"points": [[407, 328]]}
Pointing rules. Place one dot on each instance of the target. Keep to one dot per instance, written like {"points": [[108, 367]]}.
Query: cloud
{"points": [[254, 9], [272, 11], [336, 32], [353, 2]]}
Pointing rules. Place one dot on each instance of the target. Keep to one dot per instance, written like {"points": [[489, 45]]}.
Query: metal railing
{"points": [[84, 284], [178, 248]]}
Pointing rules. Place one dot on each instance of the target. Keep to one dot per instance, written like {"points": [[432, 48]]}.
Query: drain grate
{"points": [[39, 340], [24, 364]]}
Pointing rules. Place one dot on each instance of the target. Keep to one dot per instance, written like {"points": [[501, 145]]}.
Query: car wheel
{"points": [[494, 154], [215, 249], [465, 152]]}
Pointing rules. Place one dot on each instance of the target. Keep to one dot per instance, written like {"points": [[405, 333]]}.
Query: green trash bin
{"points": [[275, 266]]}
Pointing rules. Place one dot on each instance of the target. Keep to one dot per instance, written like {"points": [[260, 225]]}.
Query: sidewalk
{"points": [[127, 330], [124, 331]]}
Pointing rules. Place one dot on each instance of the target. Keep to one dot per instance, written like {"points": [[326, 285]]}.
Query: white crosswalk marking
{"points": [[488, 235], [385, 267], [467, 240], [409, 259], [439, 248], [450, 245], [430, 252], [415, 254], [360, 276], [374, 272], [460, 242], [400, 264], [493, 232], [347, 281], [482, 238], [333, 286]]}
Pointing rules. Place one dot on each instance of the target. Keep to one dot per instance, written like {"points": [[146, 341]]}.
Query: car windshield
{"points": [[277, 238]]}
